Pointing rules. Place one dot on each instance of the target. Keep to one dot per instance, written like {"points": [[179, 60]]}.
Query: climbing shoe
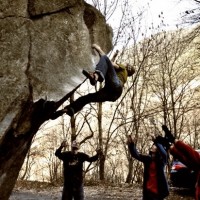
{"points": [[69, 111], [90, 76]]}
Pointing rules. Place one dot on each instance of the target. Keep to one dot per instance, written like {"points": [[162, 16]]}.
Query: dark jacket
{"points": [[161, 161], [73, 166]]}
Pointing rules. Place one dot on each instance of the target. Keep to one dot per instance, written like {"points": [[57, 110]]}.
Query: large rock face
{"points": [[44, 46]]}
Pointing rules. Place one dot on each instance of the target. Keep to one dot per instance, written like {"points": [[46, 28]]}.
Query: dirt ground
{"points": [[95, 192]]}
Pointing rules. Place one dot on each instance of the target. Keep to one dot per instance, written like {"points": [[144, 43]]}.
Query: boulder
{"points": [[44, 47]]}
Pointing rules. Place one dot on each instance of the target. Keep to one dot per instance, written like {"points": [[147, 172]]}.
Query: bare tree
{"points": [[173, 77], [191, 16], [160, 90]]}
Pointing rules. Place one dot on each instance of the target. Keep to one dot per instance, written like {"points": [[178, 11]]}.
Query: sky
{"points": [[159, 14], [172, 12]]}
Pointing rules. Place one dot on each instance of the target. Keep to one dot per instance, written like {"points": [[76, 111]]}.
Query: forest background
{"points": [[164, 90]]}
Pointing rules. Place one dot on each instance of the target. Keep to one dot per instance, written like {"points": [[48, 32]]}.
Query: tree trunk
{"points": [[16, 142], [26, 166], [73, 123], [102, 159], [130, 171], [101, 168]]}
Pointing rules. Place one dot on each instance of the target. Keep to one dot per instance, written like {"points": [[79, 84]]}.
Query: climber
{"points": [[115, 76]]}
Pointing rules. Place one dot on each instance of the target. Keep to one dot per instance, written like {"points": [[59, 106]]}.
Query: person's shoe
{"points": [[168, 134], [69, 111], [90, 76], [100, 76]]}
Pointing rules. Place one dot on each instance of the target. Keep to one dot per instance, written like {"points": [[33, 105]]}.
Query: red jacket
{"points": [[191, 158]]}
